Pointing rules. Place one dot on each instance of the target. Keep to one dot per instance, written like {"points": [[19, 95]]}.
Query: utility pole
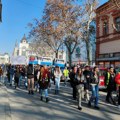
{"points": [[0, 11]]}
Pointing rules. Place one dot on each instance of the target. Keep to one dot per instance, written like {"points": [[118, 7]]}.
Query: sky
{"points": [[16, 14]]}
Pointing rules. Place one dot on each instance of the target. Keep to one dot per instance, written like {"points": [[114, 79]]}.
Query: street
{"points": [[18, 105]]}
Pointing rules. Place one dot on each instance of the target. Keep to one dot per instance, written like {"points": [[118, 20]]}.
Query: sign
{"points": [[18, 60]]}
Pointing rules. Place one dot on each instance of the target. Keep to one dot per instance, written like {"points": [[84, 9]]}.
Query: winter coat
{"points": [[44, 79], [73, 79], [117, 78]]}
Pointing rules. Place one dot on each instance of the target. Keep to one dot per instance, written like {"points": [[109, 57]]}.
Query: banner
{"points": [[18, 60]]}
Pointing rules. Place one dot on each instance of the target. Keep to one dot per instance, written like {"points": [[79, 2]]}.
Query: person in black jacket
{"points": [[88, 76], [94, 83], [30, 76], [17, 77], [111, 86], [73, 81]]}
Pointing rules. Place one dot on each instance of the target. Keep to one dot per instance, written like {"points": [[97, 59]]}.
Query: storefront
{"points": [[107, 62]]}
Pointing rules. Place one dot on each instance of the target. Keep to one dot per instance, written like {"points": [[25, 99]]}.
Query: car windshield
{"points": [[60, 61], [46, 59]]}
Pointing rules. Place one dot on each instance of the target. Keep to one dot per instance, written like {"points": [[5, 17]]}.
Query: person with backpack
{"points": [[95, 87], [111, 85], [30, 76]]}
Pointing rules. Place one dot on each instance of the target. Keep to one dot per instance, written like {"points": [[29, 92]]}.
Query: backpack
{"points": [[30, 71]]}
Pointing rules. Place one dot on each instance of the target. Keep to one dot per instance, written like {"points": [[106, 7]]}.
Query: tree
{"points": [[64, 21], [38, 47], [116, 2], [65, 17], [89, 16]]}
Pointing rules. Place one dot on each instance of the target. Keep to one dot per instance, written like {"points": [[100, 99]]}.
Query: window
{"points": [[24, 53], [101, 56], [105, 28], [117, 23], [106, 55], [117, 54]]}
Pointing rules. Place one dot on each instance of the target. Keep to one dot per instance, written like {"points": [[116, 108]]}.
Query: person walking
{"points": [[110, 83], [1, 73], [57, 74], [73, 81], [80, 87], [8, 73], [66, 75], [44, 80], [117, 80], [17, 77], [35, 78], [88, 75], [30, 76], [12, 71], [95, 88]]}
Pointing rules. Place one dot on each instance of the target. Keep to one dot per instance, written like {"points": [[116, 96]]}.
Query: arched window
{"points": [[24, 51], [105, 28], [117, 23]]}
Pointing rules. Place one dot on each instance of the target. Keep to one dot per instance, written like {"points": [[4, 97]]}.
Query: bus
{"points": [[60, 63], [33, 60], [46, 61]]}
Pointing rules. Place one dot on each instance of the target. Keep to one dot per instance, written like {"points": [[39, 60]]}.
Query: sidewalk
{"points": [[5, 112]]}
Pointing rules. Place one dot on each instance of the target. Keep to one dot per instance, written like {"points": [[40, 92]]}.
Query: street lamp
{"points": [[0, 11]]}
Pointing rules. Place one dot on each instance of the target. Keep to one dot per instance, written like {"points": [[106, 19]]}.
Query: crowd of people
{"points": [[83, 80]]}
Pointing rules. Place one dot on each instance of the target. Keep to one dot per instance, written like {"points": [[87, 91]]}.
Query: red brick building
{"points": [[108, 38]]}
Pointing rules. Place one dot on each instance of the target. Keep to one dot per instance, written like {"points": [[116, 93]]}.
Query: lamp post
{"points": [[0, 11]]}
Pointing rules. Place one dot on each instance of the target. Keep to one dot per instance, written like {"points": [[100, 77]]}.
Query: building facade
{"points": [[22, 49], [4, 58], [29, 49], [108, 35]]}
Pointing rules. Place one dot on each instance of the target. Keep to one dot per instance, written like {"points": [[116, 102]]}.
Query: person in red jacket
{"points": [[44, 80], [117, 80]]}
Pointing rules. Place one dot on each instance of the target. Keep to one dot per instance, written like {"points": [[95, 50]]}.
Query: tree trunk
{"points": [[70, 59], [88, 52], [56, 54]]}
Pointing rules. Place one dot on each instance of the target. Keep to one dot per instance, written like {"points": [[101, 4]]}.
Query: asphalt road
{"points": [[18, 105]]}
